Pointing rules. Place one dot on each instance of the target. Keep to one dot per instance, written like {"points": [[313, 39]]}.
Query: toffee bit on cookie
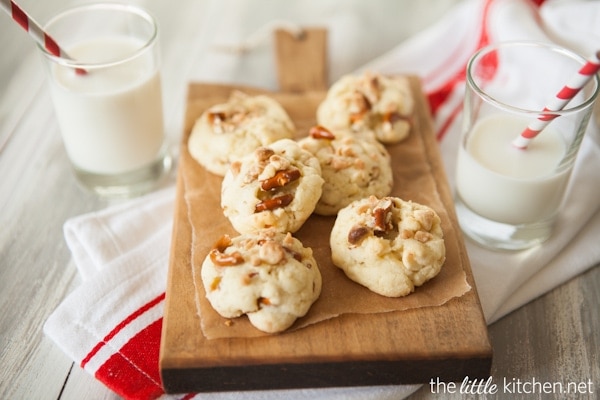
{"points": [[263, 301], [216, 117], [214, 285], [263, 154], [406, 234], [228, 322], [247, 279]]}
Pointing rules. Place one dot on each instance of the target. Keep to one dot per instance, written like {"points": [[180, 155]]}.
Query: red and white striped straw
{"points": [[35, 31], [562, 98], [33, 28]]}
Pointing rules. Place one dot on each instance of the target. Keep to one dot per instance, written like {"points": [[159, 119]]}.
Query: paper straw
{"points": [[35, 30], [562, 98]]}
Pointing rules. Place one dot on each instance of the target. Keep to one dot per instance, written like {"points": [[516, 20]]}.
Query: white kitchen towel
{"points": [[110, 325]]}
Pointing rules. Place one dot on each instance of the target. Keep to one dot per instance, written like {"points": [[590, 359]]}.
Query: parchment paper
{"points": [[413, 180]]}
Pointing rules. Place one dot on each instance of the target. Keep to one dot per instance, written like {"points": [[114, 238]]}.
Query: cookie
{"points": [[352, 166], [269, 276], [373, 103], [388, 245], [274, 187], [228, 131]]}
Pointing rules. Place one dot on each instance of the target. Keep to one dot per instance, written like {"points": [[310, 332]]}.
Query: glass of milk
{"points": [[506, 197], [107, 97]]}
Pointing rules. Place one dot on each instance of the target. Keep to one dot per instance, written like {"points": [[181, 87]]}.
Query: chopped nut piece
{"points": [[425, 218], [289, 239], [423, 236], [357, 234], [383, 219], [263, 153], [271, 252], [279, 163], [340, 163], [360, 103]]}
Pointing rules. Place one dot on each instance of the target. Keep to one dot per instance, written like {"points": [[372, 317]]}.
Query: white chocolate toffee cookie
{"points": [[388, 245], [274, 187], [373, 103], [269, 276], [352, 166], [228, 131]]}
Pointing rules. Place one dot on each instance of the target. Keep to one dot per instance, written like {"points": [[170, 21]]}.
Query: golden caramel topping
{"points": [[280, 179], [320, 132], [274, 203]]}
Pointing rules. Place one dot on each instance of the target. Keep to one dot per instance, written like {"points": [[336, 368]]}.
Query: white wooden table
{"points": [[553, 339]]}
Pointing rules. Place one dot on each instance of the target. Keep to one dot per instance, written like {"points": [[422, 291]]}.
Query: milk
{"points": [[509, 185], [110, 118]]}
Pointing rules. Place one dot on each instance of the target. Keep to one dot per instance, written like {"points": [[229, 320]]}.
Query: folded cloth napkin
{"points": [[111, 324]]}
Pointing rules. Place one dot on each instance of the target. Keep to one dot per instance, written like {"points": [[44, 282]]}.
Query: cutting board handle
{"points": [[301, 60]]}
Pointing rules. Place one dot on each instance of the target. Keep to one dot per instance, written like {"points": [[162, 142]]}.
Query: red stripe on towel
{"points": [[440, 96], [133, 372], [120, 326]]}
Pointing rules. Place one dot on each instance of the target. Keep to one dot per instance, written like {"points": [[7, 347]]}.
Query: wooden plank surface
{"points": [[448, 341]]}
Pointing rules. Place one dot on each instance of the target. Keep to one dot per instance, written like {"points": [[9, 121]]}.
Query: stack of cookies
{"points": [[272, 184]]}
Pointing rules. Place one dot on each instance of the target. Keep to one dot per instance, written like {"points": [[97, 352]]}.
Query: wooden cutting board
{"points": [[448, 341]]}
